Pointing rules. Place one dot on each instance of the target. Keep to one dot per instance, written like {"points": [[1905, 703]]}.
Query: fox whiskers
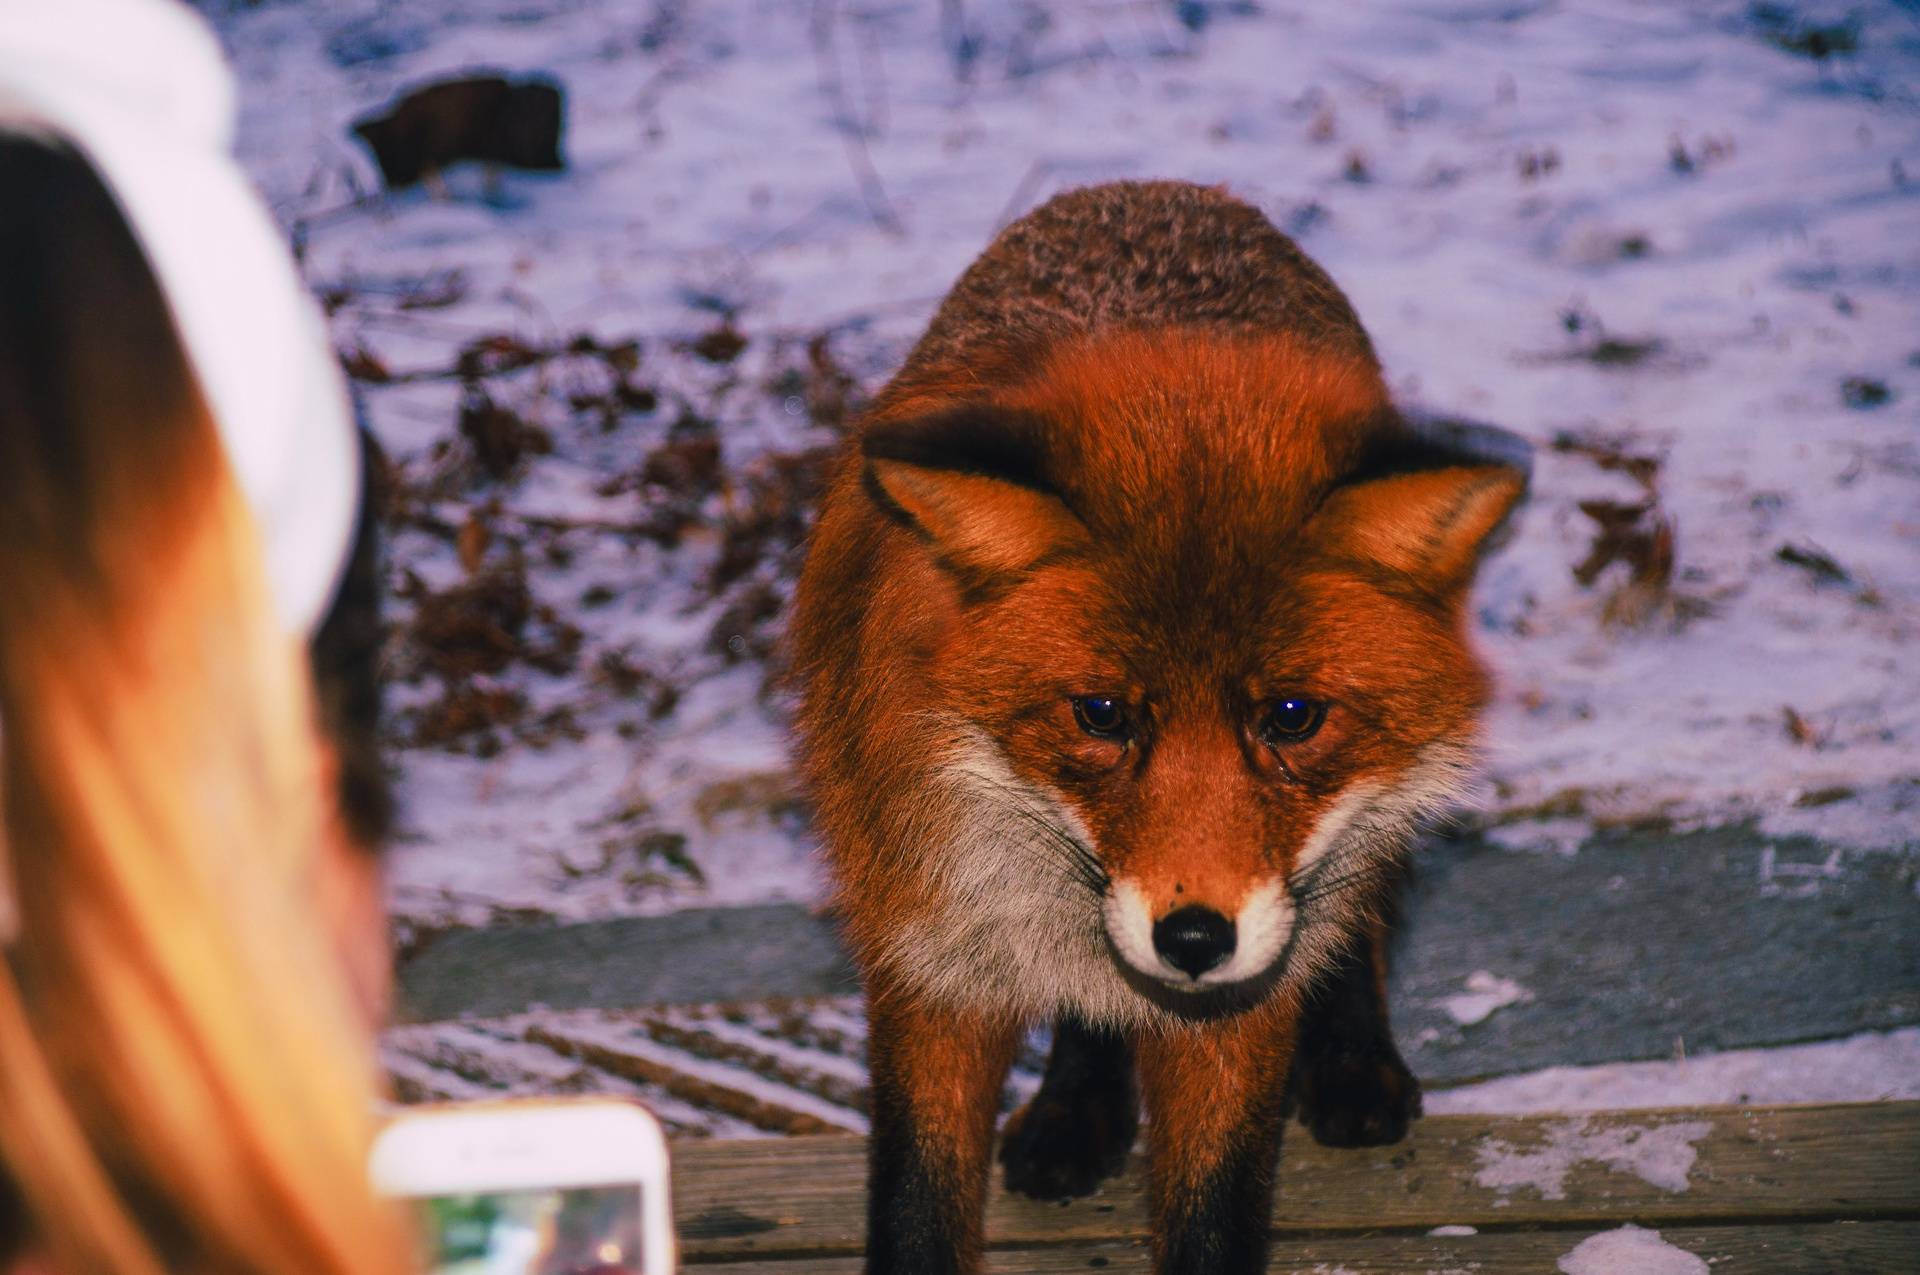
{"points": [[1055, 844]]}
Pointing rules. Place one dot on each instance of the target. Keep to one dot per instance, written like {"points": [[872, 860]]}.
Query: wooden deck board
{"points": [[1757, 1176], [1731, 1250]]}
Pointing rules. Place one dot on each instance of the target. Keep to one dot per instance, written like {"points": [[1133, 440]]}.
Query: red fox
{"points": [[1131, 648]]}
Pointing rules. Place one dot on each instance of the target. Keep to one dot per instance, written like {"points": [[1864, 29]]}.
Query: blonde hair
{"points": [[183, 1084]]}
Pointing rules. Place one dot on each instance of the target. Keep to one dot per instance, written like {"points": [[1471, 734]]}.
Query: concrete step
{"points": [[1637, 946]]}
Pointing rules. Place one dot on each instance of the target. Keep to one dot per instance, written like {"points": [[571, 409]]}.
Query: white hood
{"points": [[140, 88]]}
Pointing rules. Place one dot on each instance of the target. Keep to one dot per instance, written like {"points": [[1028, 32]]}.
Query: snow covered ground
{"points": [[1663, 241]]}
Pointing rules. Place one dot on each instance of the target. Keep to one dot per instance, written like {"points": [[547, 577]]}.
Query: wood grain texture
{"points": [[804, 1197], [1854, 1247]]}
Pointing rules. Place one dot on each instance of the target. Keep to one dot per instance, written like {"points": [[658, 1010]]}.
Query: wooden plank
{"points": [[805, 1196], [1859, 1248], [626, 1051]]}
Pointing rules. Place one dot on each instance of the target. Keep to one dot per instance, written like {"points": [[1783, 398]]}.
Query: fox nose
{"points": [[1193, 939]]}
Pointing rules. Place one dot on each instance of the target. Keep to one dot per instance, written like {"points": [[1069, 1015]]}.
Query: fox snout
{"points": [[1200, 950]]}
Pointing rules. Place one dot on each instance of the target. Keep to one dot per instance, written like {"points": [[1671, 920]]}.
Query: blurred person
{"points": [[188, 913]]}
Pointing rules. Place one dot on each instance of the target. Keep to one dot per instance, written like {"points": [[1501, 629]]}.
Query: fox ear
{"points": [[971, 480], [1427, 524]]}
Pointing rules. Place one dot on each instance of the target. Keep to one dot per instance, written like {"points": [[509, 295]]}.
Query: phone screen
{"points": [[551, 1231]]}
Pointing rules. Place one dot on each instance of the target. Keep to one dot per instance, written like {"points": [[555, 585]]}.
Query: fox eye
{"points": [[1291, 720], [1101, 716]]}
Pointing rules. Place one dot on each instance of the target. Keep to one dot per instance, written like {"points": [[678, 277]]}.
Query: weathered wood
{"points": [[626, 1052], [805, 1197], [1858, 1248]]}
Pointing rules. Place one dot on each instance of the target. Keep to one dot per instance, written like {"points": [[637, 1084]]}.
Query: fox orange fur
{"points": [[1131, 648]]}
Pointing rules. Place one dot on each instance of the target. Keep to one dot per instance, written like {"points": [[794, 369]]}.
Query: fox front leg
{"points": [[1077, 1130], [936, 1080], [1351, 1084], [1215, 1109]]}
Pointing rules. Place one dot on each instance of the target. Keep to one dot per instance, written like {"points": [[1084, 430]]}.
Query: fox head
{"points": [[1199, 645]]}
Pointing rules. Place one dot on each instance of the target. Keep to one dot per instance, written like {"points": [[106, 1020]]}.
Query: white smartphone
{"points": [[564, 1186]]}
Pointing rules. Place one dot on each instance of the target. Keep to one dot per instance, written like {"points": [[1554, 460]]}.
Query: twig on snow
{"points": [[852, 131]]}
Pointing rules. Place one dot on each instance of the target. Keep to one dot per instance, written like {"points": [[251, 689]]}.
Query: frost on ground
{"points": [[738, 1070], [799, 1066], [1869, 1067], [1630, 1248], [1663, 242], [1485, 993], [1661, 1154]]}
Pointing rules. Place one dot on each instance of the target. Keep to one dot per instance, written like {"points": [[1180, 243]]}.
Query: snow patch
{"points": [[1869, 1067], [1660, 1155], [1630, 1248], [1486, 992], [1563, 837]]}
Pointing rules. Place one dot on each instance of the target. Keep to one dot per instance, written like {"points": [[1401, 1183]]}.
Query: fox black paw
{"points": [[1054, 1150], [1358, 1097]]}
